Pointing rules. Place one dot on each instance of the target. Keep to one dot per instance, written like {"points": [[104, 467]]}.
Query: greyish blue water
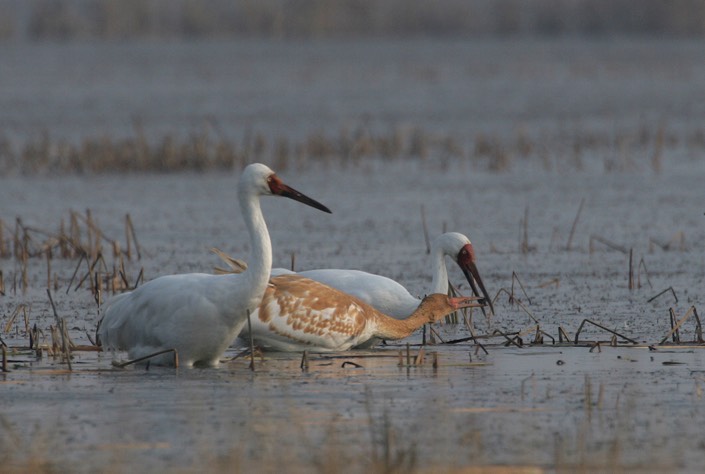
{"points": [[541, 409]]}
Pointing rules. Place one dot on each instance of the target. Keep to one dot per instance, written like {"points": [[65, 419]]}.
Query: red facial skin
{"points": [[466, 262]]}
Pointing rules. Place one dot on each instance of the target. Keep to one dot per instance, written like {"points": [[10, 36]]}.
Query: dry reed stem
{"points": [[93, 237], [133, 234], [698, 327], [582, 324], [434, 334], [540, 333], [349, 362], [612, 245], [98, 293], [675, 327], [61, 324], [67, 246], [515, 276], [33, 337], [575, 224], [472, 337], [25, 313], [516, 340], [642, 263], [122, 365], [4, 358], [21, 307], [419, 359], [140, 278], [670, 288], [521, 305], [304, 361], [451, 318], [78, 265], [65, 346], [12, 319], [93, 343], [672, 321], [426, 238], [631, 270], [246, 352]]}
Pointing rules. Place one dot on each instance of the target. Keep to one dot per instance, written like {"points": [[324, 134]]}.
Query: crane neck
{"points": [[260, 262], [440, 272], [390, 328]]}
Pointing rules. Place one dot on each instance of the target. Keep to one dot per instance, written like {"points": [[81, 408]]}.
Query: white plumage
{"points": [[196, 314], [390, 297]]}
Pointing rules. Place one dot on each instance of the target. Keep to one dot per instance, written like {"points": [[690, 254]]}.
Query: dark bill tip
{"points": [[474, 279], [465, 302], [292, 193]]}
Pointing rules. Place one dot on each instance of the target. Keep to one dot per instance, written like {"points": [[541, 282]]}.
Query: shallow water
{"points": [[551, 407]]}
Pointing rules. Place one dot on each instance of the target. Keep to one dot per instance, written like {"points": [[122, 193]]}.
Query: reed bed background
{"points": [[82, 19], [208, 150]]}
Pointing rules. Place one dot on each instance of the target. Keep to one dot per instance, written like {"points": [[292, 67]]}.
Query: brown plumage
{"points": [[297, 313]]}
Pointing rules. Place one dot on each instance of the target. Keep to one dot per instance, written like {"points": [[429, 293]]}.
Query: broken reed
{"points": [[208, 148], [81, 239]]}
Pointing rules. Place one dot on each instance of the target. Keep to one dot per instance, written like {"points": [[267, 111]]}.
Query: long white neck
{"points": [[440, 273], [260, 262]]}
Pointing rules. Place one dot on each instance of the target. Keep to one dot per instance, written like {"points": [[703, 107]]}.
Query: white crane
{"points": [[199, 315], [385, 294], [390, 297], [299, 314]]}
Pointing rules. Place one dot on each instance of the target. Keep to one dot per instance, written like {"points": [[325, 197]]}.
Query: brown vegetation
{"points": [[120, 19], [619, 150]]}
